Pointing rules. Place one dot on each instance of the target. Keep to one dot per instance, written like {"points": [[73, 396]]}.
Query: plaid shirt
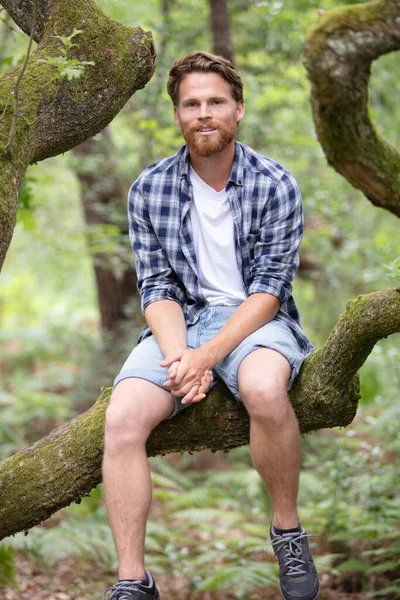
{"points": [[268, 221]]}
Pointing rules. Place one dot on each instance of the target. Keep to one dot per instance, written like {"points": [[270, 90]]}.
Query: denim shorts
{"points": [[144, 360]]}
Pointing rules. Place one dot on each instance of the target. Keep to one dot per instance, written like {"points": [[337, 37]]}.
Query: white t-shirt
{"points": [[214, 243]]}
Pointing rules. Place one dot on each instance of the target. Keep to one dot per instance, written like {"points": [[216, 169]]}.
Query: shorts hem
{"points": [[135, 374], [138, 374], [295, 367]]}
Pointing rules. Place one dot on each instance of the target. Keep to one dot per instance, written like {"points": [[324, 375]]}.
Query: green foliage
{"points": [[70, 68], [26, 203], [7, 565], [394, 270]]}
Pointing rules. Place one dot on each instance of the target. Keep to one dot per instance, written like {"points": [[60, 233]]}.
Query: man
{"points": [[216, 230]]}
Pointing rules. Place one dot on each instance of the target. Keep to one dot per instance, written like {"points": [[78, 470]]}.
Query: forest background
{"points": [[65, 330]]}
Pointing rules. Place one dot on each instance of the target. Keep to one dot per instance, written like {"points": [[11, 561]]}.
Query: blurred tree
{"points": [[222, 43], [103, 196]]}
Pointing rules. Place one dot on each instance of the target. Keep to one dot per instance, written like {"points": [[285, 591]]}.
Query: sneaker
{"points": [[298, 575], [133, 590]]}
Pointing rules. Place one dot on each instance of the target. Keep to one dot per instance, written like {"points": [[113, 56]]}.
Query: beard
{"points": [[213, 144]]}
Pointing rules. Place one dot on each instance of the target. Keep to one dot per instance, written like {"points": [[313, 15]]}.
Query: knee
{"points": [[125, 425], [267, 403]]}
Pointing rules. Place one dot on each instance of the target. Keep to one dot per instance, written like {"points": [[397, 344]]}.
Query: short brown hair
{"points": [[204, 62]]}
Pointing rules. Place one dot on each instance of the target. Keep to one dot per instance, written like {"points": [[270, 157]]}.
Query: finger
{"points": [[171, 358], [198, 398], [175, 383], [206, 381], [180, 373], [172, 371], [188, 398]]}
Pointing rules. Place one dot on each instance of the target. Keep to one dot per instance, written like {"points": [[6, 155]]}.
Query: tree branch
{"points": [[338, 56], [54, 114], [21, 11], [66, 465]]}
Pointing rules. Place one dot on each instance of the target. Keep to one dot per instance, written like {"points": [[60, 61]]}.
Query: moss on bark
{"points": [[338, 54]]}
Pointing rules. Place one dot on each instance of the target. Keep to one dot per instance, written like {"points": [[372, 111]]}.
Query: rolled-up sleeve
{"points": [[156, 278], [276, 252]]}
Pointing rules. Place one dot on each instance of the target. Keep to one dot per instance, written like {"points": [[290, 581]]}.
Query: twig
{"points": [[43, 113], [13, 128], [4, 111]]}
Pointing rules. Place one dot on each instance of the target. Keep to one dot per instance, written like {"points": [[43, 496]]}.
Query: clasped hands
{"points": [[189, 374]]}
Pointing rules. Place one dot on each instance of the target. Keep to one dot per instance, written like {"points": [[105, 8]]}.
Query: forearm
{"points": [[257, 310], [167, 323]]}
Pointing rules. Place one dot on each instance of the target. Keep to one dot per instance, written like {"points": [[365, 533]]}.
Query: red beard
{"points": [[213, 144]]}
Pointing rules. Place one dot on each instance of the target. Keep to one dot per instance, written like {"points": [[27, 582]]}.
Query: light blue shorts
{"points": [[144, 360]]}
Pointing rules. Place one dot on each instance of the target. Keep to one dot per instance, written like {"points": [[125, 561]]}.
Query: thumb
{"points": [[172, 357]]}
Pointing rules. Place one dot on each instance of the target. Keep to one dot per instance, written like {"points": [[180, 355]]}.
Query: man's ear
{"points": [[240, 111], [176, 117]]}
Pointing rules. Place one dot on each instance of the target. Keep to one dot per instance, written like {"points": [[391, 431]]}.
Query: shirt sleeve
{"points": [[156, 278], [276, 252]]}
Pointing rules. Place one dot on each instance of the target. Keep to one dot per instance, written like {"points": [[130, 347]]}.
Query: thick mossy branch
{"points": [[64, 466], [338, 55], [54, 114]]}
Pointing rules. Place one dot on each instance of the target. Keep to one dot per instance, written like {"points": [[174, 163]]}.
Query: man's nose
{"points": [[205, 111]]}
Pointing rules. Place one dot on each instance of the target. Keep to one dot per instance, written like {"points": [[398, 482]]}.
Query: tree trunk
{"points": [[66, 465], [338, 55], [55, 114], [222, 44], [103, 196]]}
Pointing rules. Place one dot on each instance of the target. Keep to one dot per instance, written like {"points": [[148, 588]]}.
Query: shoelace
{"points": [[120, 591], [293, 551]]}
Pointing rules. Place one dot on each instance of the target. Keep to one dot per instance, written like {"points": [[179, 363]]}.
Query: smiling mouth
{"points": [[206, 130]]}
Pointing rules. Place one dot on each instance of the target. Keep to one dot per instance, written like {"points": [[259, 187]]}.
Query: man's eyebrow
{"points": [[188, 100]]}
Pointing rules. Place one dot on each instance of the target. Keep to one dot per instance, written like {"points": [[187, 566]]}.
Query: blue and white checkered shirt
{"points": [[268, 219]]}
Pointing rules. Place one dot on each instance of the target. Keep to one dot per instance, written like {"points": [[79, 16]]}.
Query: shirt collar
{"points": [[237, 171], [238, 165]]}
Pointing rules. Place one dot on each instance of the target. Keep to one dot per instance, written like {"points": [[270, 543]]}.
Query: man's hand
{"points": [[189, 374]]}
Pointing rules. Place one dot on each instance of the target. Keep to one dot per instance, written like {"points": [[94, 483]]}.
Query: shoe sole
{"points": [[315, 597]]}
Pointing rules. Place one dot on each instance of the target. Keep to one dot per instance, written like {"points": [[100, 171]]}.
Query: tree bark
{"points": [[222, 44], [103, 196], [338, 54], [64, 466], [55, 114]]}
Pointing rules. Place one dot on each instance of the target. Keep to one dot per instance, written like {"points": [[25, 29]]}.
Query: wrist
{"points": [[168, 348], [210, 353]]}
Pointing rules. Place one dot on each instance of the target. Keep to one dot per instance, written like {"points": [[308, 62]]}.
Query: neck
{"points": [[215, 169]]}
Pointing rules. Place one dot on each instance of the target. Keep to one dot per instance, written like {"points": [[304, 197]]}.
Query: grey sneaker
{"points": [[133, 590], [298, 575]]}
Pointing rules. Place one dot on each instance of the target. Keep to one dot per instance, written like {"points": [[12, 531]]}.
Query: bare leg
{"points": [[136, 407], [274, 431]]}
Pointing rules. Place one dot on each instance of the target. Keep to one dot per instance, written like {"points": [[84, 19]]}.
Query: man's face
{"points": [[207, 113]]}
